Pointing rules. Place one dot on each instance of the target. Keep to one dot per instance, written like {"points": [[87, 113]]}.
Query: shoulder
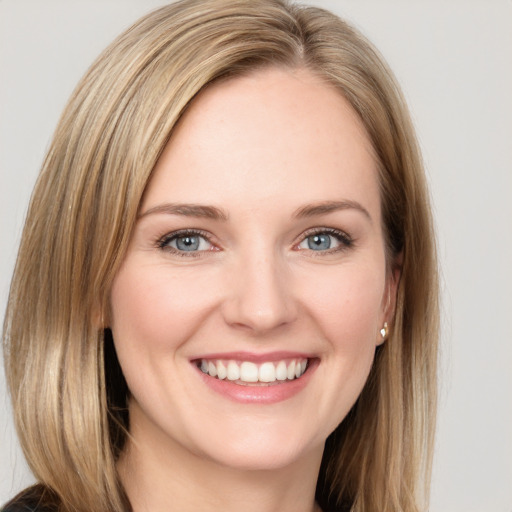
{"points": [[33, 499]]}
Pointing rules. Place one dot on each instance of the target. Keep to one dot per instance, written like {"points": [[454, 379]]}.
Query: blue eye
{"points": [[326, 240], [320, 242], [185, 241]]}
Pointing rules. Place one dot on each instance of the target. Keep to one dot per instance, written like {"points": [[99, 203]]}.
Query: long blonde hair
{"points": [[68, 392]]}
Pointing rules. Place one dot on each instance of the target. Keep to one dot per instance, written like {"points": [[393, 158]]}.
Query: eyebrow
{"points": [[324, 207], [188, 210], [214, 213]]}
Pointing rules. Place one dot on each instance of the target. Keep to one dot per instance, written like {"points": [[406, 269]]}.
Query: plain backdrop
{"points": [[454, 61]]}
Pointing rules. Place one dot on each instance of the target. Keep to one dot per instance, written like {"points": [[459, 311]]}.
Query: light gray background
{"points": [[454, 60]]}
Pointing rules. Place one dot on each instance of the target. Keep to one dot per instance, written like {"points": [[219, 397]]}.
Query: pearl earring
{"points": [[384, 331]]}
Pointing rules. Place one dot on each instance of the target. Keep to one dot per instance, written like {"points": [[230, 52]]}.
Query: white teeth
{"points": [[291, 370], [212, 369], [249, 372], [281, 371], [267, 372], [222, 372], [233, 372]]}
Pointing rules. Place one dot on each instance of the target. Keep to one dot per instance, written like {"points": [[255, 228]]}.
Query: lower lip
{"points": [[260, 394]]}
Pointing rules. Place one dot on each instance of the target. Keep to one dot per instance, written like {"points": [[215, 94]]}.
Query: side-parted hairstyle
{"points": [[67, 389]]}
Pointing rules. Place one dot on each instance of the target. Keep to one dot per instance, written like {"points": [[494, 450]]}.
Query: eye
{"points": [[185, 241], [325, 240]]}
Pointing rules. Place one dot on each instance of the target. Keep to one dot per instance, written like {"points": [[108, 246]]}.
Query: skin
{"points": [[260, 148]]}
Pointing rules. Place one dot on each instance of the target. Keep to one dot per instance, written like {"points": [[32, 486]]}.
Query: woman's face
{"points": [[248, 308]]}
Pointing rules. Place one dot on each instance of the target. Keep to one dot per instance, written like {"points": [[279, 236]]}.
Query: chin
{"points": [[265, 456], [259, 444]]}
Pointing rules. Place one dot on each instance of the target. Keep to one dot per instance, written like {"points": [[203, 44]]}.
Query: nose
{"points": [[261, 298]]}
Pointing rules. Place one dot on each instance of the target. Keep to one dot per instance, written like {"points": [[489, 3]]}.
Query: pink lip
{"points": [[257, 394]]}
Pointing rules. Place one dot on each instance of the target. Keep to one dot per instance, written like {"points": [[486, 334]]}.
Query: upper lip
{"points": [[254, 357]]}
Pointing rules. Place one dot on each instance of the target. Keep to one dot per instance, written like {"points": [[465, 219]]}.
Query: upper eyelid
{"points": [[324, 229], [186, 231], [327, 230], [183, 232]]}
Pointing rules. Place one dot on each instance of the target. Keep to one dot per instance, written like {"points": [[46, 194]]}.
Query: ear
{"points": [[390, 297]]}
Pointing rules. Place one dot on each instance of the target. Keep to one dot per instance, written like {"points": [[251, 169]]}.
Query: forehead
{"points": [[266, 132]]}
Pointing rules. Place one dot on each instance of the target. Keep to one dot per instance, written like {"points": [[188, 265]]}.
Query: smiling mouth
{"points": [[248, 373]]}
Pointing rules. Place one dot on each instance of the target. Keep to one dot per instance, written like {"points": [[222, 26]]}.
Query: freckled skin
{"points": [[258, 147]]}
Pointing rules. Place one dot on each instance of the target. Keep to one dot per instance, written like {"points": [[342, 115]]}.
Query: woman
{"points": [[225, 295]]}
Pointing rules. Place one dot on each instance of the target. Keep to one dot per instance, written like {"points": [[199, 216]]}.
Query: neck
{"points": [[161, 474]]}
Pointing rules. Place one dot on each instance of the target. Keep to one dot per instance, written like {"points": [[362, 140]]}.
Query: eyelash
{"points": [[162, 242], [345, 240]]}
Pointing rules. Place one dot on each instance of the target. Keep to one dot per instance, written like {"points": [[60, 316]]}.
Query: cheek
{"points": [[346, 308], [347, 303], [153, 310]]}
